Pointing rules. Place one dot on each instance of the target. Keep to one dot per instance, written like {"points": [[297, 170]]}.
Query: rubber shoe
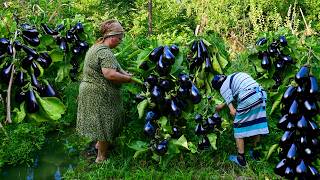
{"points": [[234, 159]]}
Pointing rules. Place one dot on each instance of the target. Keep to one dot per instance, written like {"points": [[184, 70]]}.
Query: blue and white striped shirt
{"points": [[241, 81]]}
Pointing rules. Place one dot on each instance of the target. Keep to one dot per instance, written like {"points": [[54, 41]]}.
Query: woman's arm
{"points": [[220, 106], [115, 76], [232, 109]]}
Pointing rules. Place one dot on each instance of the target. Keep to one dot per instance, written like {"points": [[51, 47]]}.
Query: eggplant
{"points": [[60, 27], [83, 45], [174, 49], [49, 91], [63, 45], [167, 56], [144, 65], [208, 67], [76, 38], [310, 108], [283, 41], [198, 118], [302, 124], [308, 154], [313, 88], [288, 95], [6, 72], [36, 69], [286, 59], [313, 128], [44, 60], [199, 130], [279, 65], [199, 53], [76, 50], [74, 62], [194, 46], [175, 109], [163, 68], [277, 79], [204, 51], [272, 51], [48, 30], [181, 102], [216, 117], [34, 41], [17, 45], [283, 122], [26, 26], [149, 130], [152, 115], [69, 36], [165, 85], [184, 81], [301, 169], [293, 111], [162, 147], [290, 126], [176, 133], [20, 96], [289, 172], [10, 49], [204, 143], [31, 102], [287, 138], [312, 172], [152, 80], [302, 141], [20, 79], [292, 153], [156, 94], [30, 33], [79, 27], [261, 41], [265, 62], [314, 143], [30, 51], [183, 92], [4, 42], [195, 94], [302, 75], [281, 167], [26, 62], [155, 54], [138, 98], [210, 123], [34, 81]]}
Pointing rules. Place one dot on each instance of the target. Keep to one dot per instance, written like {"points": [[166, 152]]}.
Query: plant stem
{"points": [[8, 118]]}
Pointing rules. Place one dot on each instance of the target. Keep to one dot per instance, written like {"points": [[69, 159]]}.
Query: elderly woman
{"points": [[99, 114], [250, 113]]}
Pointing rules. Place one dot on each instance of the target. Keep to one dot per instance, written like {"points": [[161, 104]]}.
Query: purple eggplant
{"points": [[34, 81], [163, 68], [36, 69], [48, 30], [302, 75], [283, 41], [63, 45], [313, 88], [195, 95], [208, 66], [167, 56], [79, 27], [162, 147], [20, 79], [30, 51], [4, 42], [30, 33], [44, 60], [204, 51], [289, 95], [10, 49], [6, 72], [194, 46], [48, 91], [174, 49], [26, 62], [20, 96], [83, 45], [199, 130], [176, 133], [174, 108], [149, 129], [17, 45], [261, 41], [60, 27], [31, 102], [265, 62], [155, 54], [33, 41]]}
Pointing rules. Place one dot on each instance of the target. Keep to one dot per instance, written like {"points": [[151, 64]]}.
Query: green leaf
{"points": [[144, 55], [20, 113], [276, 103], [52, 106], [222, 61], [46, 40], [173, 147], [193, 148], [56, 55], [163, 121], [177, 64], [271, 150], [216, 66], [140, 147], [62, 73], [182, 141], [141, 107], [213, 140]]}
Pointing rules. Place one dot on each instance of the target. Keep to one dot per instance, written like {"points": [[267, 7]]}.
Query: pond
{"points": [[51, 162]]}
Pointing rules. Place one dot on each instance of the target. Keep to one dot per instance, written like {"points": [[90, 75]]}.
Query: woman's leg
{"points": [[102, 150], [255, 150], [240, 145], [256, 140], [240, 159]]}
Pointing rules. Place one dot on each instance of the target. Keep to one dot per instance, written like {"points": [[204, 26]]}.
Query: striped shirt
{"points": [[241, 81]]}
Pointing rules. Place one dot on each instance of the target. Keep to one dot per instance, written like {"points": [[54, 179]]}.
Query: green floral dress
{"points": [[100, 109]]}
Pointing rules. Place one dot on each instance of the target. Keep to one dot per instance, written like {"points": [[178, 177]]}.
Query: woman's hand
{"points": [[233, 111], [220, 106]]}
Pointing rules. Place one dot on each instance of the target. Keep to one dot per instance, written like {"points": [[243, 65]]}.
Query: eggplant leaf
{"points": [[182, 141], [141, 107], [276, 103], [56, 55], [193, 148], [271, 150], [52, 106], [20, 113], [140, 147], [213, 140], [216, 66], [173, 147]]}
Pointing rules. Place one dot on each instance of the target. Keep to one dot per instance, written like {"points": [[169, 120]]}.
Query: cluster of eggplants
{"points": [[205, 127], [274, 53], [200, 55], [170, 96], [29, 66], [299, 143], [72, 39]]}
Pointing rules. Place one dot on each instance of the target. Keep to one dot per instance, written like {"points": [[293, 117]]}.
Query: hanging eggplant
{"points": [[287, 138], [302, 141], [167, 56], [204, 143], [44, 60], [302, 124], [283, 41], [30, 51], [175, 109], [31, 102], [155, 54], [176, 133], [183, 92], [48, 30], [310, 108], [20, 96], [6, 72], [162, 147], [26, 62], [4, 42], [36, 69], [194, 46], [30, 33], [69, 36], [293, 111], [83, 45], [152, 115], [60, 27], [279, 65], [26, 26], [156, 94], [208, 66], [313, 88], [289, 172], [288, 95], [199, 57], [48, 91], [34, 81], [313, 128], [198, 118], [199, 130], [283, 122], [165, 84], [76, 38], [265, 62], [312, 172], [290, 126], [281, 167], [204, 51], [152, 80], [149, 130], [184, 81], [195, 94], [17, 45], [174, 49], [286, 59], [163, 68], [63, 45], [76, 50], [33, 41], [261, 41], [301, 169], [302, 75], [20, 79], [292, 153], [79, 27], [210, 123]]}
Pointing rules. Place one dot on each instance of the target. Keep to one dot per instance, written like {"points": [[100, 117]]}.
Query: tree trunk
{"points": [[150, 17]]}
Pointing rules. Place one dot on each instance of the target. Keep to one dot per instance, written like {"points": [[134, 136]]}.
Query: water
{"points": [[51, 162]]}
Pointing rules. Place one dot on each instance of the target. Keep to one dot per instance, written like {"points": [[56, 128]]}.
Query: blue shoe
{"points": [[234, 159]]}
